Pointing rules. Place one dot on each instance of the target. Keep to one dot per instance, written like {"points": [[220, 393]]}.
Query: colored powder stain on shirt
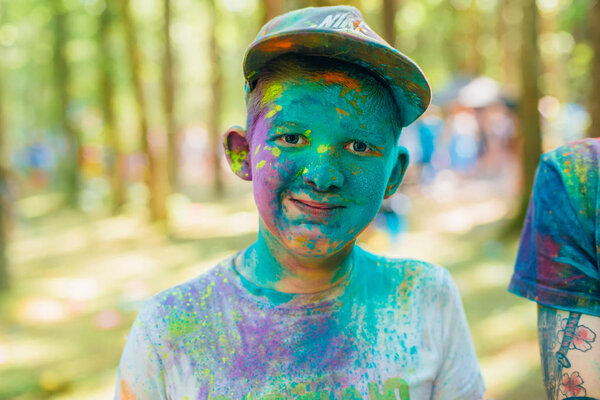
{"points": [[343, 343], [261, 164], [125, 391]]}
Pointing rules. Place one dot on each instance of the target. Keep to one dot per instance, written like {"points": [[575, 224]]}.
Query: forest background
{"points": [[113, 185]]}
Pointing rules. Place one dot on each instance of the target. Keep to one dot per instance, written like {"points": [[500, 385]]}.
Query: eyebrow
{"points": [[370, 136]]}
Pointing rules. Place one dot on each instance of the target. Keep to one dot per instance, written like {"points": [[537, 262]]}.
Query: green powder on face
{"points": [[322, 148], [273, 111], [271, 92]]}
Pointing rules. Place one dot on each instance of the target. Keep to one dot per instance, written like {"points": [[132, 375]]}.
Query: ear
{"points": [[397, 172], [237, 151]]}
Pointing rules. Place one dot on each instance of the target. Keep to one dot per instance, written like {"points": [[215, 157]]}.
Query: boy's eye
{"points": [[291, 139], [359, 147]]}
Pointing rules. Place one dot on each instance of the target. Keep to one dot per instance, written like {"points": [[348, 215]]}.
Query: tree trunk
{"points": [[390, 8], [271, 9], [529, 118], [473, 62], [154, 173], [4, 197], [112, 142], [554, 64], [169, 96], [594, 105], [61, 77], [216, 80], [507, 54]]}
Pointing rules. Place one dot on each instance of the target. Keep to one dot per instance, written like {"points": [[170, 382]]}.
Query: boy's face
{"points": [[322, 156]]}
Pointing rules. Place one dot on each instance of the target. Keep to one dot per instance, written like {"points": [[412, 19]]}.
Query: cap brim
{"points": [[405, 79]]}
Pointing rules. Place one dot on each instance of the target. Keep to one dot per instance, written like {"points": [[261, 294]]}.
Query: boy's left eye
{"points": [[358, 147]]}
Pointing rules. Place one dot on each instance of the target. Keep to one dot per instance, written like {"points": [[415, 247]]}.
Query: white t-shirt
{"points": [[394, 329]]}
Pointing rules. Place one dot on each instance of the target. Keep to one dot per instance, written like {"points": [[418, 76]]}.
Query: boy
{"points": [[558, 266], [303, 312]]}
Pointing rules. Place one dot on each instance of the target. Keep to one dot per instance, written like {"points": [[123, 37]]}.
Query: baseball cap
{"points": [[340, 32]]}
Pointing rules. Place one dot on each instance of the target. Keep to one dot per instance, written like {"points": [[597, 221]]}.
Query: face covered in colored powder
{"points": [[322, 155]]}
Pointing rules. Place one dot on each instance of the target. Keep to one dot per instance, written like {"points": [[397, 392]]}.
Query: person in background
{"points": [[558, 266]]}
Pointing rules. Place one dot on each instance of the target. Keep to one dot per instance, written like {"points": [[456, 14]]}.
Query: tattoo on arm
{"points": [[558, 335], [567, 340]]}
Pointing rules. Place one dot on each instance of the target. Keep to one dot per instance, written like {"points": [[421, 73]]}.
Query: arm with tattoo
{"points": [[570, 354]]}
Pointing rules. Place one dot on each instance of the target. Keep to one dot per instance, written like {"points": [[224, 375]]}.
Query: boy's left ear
{"points": [[397, 172]]}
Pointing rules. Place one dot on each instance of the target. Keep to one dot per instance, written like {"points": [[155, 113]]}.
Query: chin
{"points": [[314, 242]]}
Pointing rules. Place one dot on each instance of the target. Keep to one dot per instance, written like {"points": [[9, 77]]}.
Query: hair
{"points": [[290, 65]]}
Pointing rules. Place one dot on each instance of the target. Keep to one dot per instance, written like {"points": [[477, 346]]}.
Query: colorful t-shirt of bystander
{"points": [[558, 264], [394, 329]]}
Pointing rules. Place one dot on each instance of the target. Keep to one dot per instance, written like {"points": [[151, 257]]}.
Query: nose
{"points": [[324, 174]]}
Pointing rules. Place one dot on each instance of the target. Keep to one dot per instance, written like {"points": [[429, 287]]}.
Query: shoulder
{"points": [[579, 158], [408, 276], [580, 151], [180, 304]]}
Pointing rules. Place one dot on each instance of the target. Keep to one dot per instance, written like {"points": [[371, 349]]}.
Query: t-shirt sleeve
{"points": [[558, 260], [141, 372], [459, 376]]}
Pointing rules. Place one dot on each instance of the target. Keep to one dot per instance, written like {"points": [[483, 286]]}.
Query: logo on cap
{"points": [[345, 21]]}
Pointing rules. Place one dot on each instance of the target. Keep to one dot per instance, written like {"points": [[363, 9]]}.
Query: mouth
{"points": [[316, 209], [316, 204]]}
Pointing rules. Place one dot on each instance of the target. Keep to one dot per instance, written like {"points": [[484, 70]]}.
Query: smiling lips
{"points": [[316, 208]]}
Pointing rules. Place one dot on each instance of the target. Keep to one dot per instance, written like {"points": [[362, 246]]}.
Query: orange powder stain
{"points": [[282, 45], [340, 78], [342, 112], [125, 391]]}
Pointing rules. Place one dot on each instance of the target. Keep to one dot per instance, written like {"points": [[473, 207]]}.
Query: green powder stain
{"points": [[274, 111], [261, 164], [322, 148], [257, 149], [276, 152], [271, 92], [237, 160]]}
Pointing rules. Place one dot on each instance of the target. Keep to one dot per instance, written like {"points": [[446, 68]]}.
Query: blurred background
{"points": [[113, 185]]}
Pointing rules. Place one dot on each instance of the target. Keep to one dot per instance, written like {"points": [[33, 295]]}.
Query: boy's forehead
{"points": [[326, 78], [301, 82]]}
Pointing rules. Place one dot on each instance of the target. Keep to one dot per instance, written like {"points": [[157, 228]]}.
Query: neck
{"points": [[268, 264]]}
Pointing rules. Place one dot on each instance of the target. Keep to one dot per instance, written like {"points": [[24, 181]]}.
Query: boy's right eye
{"points": [[291, 139]]}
